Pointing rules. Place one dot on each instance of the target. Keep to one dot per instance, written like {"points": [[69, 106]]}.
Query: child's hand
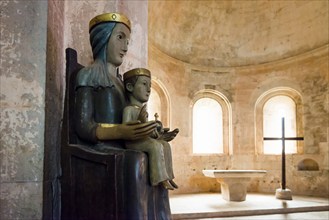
{"points": [[143, 115]]}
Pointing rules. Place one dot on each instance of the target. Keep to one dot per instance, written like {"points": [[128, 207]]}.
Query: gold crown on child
{"points": [[136, 72], [109, 17]]}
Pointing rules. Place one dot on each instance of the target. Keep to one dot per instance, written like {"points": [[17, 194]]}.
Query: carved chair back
{"points": [[72, 68]]}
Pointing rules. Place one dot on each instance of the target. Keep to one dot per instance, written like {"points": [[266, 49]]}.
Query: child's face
{"points": [[142, 89]]}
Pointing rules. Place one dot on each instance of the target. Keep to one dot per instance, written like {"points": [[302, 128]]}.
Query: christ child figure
{"points": [[137, 84]]}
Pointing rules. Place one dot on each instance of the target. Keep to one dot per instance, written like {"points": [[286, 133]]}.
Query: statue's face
{"points": [[142, 89], [117, 46]]}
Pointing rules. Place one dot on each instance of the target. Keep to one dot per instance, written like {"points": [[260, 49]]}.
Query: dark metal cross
{"points": [[284, 139]]}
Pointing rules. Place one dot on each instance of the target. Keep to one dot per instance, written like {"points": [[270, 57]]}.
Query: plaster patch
{"points": [[21, 144], [21, 200], [16, 92]]}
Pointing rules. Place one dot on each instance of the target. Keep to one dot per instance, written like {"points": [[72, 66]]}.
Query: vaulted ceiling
{"points": [[223, 33]]}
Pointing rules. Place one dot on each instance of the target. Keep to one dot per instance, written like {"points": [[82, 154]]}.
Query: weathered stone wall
{"points": [[23, 31], [307, 73], [34, 35]]}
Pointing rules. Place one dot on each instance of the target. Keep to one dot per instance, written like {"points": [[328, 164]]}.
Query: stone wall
{"points": [[34, 36], [23, 31], [307, 73]]}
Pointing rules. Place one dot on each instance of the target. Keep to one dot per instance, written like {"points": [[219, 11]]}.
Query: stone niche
{"points": [[308, 165]]}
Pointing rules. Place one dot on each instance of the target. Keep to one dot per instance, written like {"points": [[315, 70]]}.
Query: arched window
{"points": [[274, 110], [211, 123], [154, 105], [207, 126], [270, 107]]}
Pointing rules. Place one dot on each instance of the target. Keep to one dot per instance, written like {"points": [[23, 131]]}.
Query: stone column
{"points": [[55, 86], [23, 31]]}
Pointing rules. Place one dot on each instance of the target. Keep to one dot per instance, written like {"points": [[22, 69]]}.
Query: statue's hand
{"points": [[129, 131], [143, 115], [169, 135], [137, 130]]}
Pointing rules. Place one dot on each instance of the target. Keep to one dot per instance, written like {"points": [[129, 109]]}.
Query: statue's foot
{"points": [[173, 184], [166, 184]]}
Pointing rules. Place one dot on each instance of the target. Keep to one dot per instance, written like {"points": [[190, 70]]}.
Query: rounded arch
{"points": [[226, 111], [259, 105], [163, 104]]}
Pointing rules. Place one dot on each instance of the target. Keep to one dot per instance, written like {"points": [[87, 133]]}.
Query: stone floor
{"points": [[256, 206]]}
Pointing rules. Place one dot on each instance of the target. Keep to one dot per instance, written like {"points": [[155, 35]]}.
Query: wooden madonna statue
{"points": [[101, 179]]}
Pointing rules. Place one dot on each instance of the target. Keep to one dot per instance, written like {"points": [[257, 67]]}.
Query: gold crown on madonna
{"points": [[136, 72], [109, 17]]}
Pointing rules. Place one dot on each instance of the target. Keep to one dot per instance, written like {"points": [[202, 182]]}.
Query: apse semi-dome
{"points": [[237, 33]]}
